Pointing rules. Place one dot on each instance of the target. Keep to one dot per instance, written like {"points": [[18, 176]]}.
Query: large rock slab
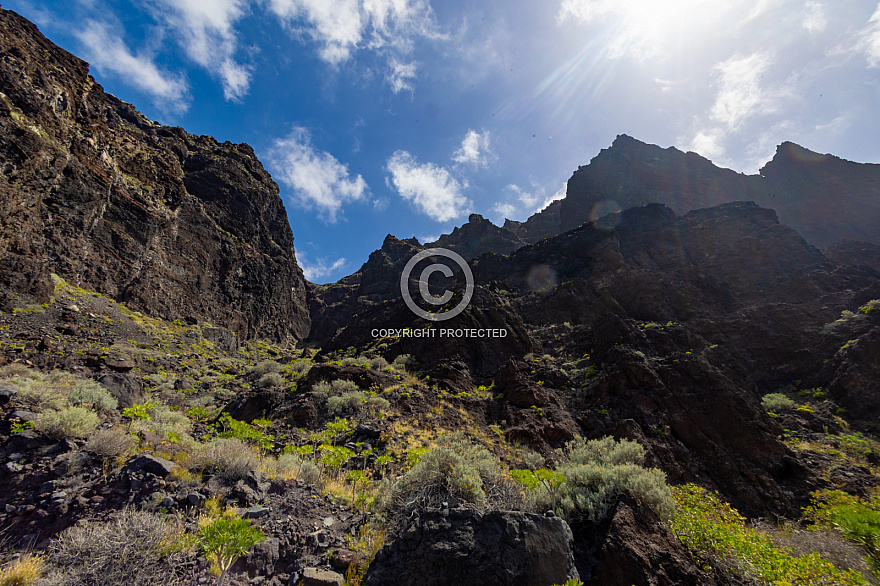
{"points": [[462, 546]]}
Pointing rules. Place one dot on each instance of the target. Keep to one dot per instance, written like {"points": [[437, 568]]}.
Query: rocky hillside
{"points": [[823, 197], [174, 225]]}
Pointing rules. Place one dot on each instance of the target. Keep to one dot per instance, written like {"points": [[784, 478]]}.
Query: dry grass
{"points": [[24, 571]]}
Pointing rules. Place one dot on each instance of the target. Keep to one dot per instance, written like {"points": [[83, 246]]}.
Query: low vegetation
{"points": [[718, 537]]}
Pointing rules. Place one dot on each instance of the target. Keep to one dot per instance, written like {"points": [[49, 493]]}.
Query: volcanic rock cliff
{"points": [[172, 224], [823, 197]]}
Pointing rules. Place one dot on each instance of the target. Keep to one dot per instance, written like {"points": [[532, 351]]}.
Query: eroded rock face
{"points": [[823, 197], [172, 224], [463, 546], [634, 548]]}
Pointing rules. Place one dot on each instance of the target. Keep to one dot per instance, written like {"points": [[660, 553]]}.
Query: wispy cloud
{"points": [[814, 17], [870, 39], [740, 95], [206, 31], [341, 27], [475, 149], [433, 190], [317, 270], [521, 203], [400, 76], [317, 179], [109, 54]]}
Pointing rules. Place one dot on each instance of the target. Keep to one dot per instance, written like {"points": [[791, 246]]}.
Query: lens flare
{"points": [[605, 215], [541, 279]]}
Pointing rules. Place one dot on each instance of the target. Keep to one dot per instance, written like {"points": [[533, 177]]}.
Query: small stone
{"points": [[194, 498], [14, 467], [255, 512], [24, 415], [318, 577], [15, 457], [150, 464]]}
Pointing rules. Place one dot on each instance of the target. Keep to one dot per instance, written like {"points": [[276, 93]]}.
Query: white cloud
{"points": [[740, 95], [521, 203], [313, 271], [400, 76], [433, 190], [342, 27], [504, 211], [318, 180], [870, 39], [206, 31], [474, 149], [814, 16], [707, 142], [108, 53], [555, 197]]}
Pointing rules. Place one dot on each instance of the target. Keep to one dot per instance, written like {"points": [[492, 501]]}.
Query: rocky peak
{"points": [[172, 224]]}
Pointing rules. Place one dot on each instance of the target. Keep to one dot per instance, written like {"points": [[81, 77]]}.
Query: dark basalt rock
{"points": [[634, 548], [823, 197], [172, 224], [463, 546]]}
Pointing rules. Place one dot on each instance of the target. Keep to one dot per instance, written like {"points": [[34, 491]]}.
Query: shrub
{"points": [[271, 379], [242, 430], [167, 424], [349, 362], [717, 536], [133, 548], [355, 402], [597, 473], [777, 402], [402, 362], [89, 392], [69, 422], [22, 572], [231, 458], [265, 366], [378, 363], [857, 519], [343, 386], [458, 473], [225, 540], [108, 444]]}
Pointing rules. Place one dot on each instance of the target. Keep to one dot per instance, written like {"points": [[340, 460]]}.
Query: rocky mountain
{"points": [[172, 224], [478, 236], [823, 197], [606, 368]]}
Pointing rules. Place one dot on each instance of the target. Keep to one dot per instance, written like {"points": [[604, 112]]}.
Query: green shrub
{"points": [[231, 458], [75, 422], [265, 367], [167, 424], [89, 392], [857, 519], [777, 402], [597, 473], [458, 473], [355, 402], [233, 428], [378, 363], [717, 536], [270, 379], [403, 362], [225, 540]]}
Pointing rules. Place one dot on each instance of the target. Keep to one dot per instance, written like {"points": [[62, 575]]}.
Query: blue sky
{"points": [[404, 116]]}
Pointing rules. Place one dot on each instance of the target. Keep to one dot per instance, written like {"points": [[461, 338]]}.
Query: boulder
{"points": [[150, 464], [125, 388], [477, 548], [318, 577]]}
